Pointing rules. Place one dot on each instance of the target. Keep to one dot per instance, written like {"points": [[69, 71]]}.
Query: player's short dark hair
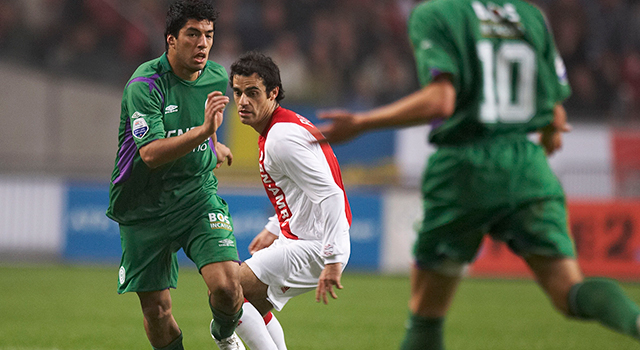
{"points": [[182, 11], [256, 62]]}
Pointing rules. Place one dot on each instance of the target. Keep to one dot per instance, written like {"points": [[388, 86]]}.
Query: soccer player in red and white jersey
{"points": [[306, 244]]}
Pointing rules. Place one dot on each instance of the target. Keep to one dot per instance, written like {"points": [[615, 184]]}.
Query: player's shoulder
{"points": [[148, 69], [146, 74], [216, 69], [289, 132], [286, 132], [431, 7], [447, 13]]}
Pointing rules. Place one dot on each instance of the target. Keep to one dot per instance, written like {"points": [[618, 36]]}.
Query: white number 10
{"points": [[505, 99]]}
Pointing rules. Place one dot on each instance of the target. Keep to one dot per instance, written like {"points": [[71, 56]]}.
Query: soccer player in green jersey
{"points": [[490, 75], [163, 191]]}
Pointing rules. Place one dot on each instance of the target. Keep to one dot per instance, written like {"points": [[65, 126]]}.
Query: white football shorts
{"points": [[289, 268]]}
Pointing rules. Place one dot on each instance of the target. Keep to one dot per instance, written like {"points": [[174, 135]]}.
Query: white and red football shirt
{"points": [[303, 181]]}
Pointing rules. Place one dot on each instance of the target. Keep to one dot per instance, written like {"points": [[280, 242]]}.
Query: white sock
{"points": [[253, 331], [275, 330]]}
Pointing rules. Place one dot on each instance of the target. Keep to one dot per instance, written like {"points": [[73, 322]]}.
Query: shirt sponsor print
{"points": [[220, 221]]}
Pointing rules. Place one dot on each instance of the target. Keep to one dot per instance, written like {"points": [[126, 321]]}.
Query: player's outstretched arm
{"points": [[434, 101], [329, 278]]}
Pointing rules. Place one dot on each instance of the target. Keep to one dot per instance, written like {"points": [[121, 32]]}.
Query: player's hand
{"points": [[551, 135], [224, 154], [213, 112], [262, 240], [342, 126], [329, 277]]}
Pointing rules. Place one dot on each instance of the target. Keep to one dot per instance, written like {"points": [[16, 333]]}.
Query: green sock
{"points": [[176, 344], [223, 325], [604, 301], [423, 333]]}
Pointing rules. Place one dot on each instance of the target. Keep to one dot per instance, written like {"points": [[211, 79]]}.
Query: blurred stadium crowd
{"points": [[353, 53]]}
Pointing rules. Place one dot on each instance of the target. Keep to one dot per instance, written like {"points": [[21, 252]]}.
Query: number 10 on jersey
{"points": [[509, 82]]}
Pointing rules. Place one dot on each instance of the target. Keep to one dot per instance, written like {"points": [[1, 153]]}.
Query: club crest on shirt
{"points": [[122, 275], [139, 128], [328, 250]]}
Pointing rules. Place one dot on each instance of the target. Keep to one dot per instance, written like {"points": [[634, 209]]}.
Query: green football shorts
{"points": [[149, 261], [504, 188]]}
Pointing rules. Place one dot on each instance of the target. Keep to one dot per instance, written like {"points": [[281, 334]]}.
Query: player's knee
{"points": [[156, 311], [227, 293]]}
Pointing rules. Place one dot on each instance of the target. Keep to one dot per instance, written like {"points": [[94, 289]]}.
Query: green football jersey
{"points": [[506, 70], [158, 104]]}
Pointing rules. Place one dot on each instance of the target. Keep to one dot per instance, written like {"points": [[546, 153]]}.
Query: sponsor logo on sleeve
{"points": [[139, 128], [561, 70]]}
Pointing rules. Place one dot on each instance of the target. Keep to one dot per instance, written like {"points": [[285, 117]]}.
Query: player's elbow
{"points": [[149, 157], [444, 108], [443, 99]]}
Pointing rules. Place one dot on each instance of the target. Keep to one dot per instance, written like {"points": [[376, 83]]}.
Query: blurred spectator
{"points": [[286, 53], [330, 51], [11, 29]]}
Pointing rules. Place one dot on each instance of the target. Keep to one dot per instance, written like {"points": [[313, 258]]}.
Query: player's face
{"points": [[255, 105], [188, 53]]}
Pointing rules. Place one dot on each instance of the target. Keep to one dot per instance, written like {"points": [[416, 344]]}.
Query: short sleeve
{"points": [[144, 106], [433, 45]]}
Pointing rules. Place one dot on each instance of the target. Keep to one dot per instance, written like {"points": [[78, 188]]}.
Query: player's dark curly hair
{"points": [[256, 62], [183, 10]]}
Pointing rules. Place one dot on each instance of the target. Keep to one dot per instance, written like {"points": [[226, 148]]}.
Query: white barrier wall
{"points": [[31, 216], [583, 165], [402, 211]]}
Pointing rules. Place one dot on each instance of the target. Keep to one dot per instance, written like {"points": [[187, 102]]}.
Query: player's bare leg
{"points": [[600, 300], [159, 324], [431, 296], [252, 329], [556, 276], [225, 299]]}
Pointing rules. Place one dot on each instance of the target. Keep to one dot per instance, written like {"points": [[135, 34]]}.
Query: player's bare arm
{"points": [[162, 151], [329, 278], [551, 135], [434, 101], [262, 240]]}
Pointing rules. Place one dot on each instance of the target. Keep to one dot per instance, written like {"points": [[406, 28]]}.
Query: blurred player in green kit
{"points": [[490, 75], [163, 191]]}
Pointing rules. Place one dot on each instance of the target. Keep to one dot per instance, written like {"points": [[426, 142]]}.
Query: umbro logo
{"points": [[226, 243], [284, 289], [171, 109]]}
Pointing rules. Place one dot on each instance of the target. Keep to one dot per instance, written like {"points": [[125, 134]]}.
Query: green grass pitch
{"points": [[77, 308]]}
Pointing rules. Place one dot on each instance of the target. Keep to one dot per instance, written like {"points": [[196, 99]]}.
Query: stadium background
{"points": [[63, 64]]}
